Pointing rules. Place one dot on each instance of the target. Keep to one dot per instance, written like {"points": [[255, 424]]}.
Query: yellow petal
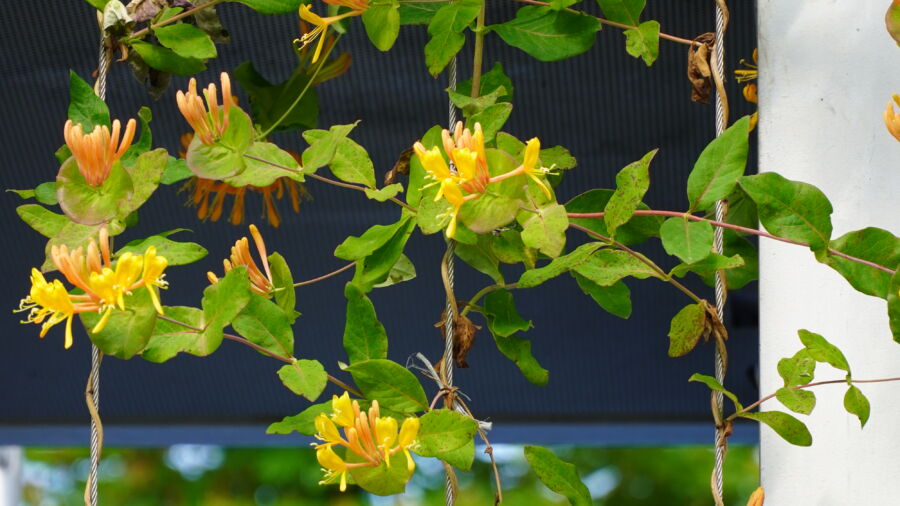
{"points": [[330, 460], [408, 432], [306, 14], [532, 152], [342, 410]]}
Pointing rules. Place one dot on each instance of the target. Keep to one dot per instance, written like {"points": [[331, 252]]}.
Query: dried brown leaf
{"points": [[698, 70]]}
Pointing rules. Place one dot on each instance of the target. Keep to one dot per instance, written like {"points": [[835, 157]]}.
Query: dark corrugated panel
{"points": [[606, 107]]}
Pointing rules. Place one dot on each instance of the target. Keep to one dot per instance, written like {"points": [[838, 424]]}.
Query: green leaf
{"points": [[322, 146], [75, 235], [283, 282], [791, 209], [176, 170], [85, 107], [303, 422], [473, 105], [796, 400], [632, 183], [492, 119], [605, 267], [261, 174], [893, 303], [351, 162], [214, 161], [403, 270], [391, 384], [90, 205], [356, 248], [419, 13], [558, 157], [491, 81], [169, 339], [615, 299], [480, 257], [462, 457], [306, 378], [691, 241], [383, 480], [508, 247], [789, 428], [708, 266], [97, 4], [364, 335], [635, 231], [643, 41], [126, 332], [873, 244], [44, 221], [186, 40], [382, 24], [445, 29], [580, 255], [686, 329], [143, 143], [145, 176], [714, 384], [797, 370], [623, 11], [856, 404], [502, 317], [549, 35], [519, 351], [376, 267], [442, 431], [546, 230], [221, 303], [272, 6], [385, 193], [268, 102], [559, 5], [823, 351], [239, 135], [24, 194], [167, 60], [558, 475], [719, 166], [176, 253], [737, 277], [264, 323], [489, 212]]}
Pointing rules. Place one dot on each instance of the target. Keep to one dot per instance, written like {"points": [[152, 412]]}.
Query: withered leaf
{"points": [[463, 336], [698, 70], [401, 167]]}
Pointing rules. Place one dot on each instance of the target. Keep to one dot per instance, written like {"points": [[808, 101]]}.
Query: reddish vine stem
{"points": [[738, 228], [264, 351], [325, 276], [808, 385], [623, 26]]}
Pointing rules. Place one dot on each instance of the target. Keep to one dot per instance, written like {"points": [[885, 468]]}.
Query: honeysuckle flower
{"points": [[356, 5], [260, 280], [744, 75], [210, 124], [466, 150], [530, 165], [372, 437], [750, 93], [96, 152], [104, 284], [454, 196], [209, 196], [321, 25], [892, 119], [757, 497]]}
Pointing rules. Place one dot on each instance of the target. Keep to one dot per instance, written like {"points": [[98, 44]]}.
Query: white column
{"points": [[10, 474], [827, 70]]}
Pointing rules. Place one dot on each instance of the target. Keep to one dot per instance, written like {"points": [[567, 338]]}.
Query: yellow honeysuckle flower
{"points": [[751, 71], [433, 162], [465, 161], [530, 164], [327, 431], [321, 26], [96, 152], [48, 300], [385, 432], [342, 410], [408, 432], [208, 125], [750, 93], [454, 196], [332, 464], [892, 119], [152, 277], [472, 168], [128, 272]]}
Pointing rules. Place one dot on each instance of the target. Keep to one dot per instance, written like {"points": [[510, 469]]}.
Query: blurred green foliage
{"points": [[217, 476]]}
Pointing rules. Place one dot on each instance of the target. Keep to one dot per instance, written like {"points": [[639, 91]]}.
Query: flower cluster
{"points": [[357, 7], [260, 283], [892, 119], [472, 174], [372, 437], [210, 124], [97, 151], [744, 75], [104, 287]]}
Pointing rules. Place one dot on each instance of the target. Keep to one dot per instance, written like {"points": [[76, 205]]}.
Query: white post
{"points": [[827, 70], [10, 474]]}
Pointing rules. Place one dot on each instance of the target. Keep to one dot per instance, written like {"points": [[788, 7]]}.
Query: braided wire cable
{"points": [[450, 313], [92, 393], [720, 288]]}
